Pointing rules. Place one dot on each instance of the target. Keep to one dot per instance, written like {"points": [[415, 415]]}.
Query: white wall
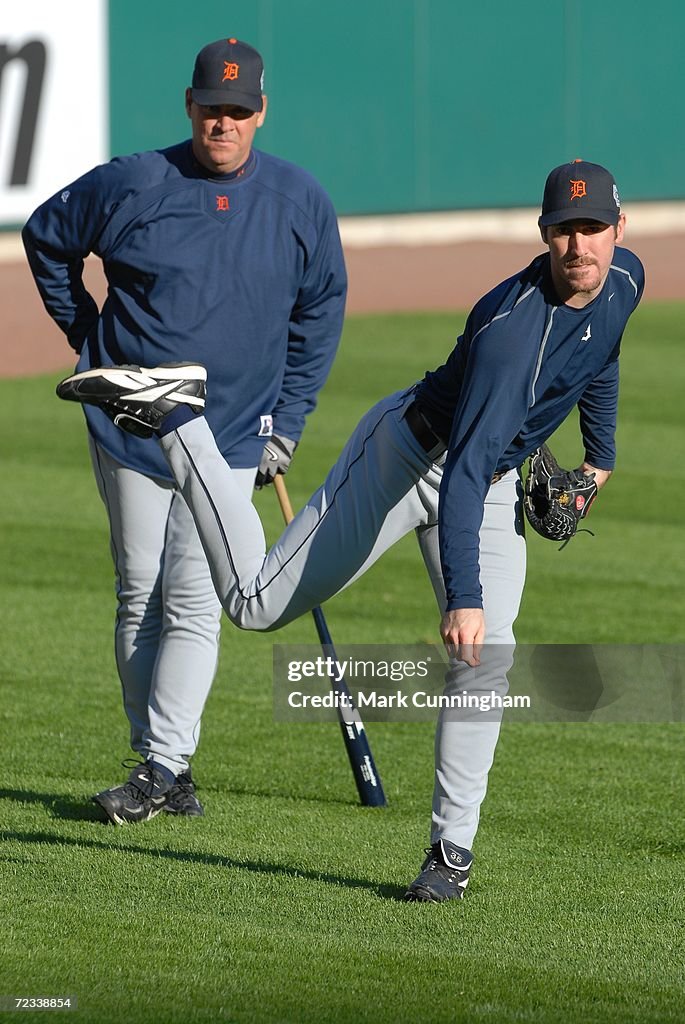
{"points": [[70, 133]]}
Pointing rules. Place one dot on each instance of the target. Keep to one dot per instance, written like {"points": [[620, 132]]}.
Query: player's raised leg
{"points": [[368, 501]]}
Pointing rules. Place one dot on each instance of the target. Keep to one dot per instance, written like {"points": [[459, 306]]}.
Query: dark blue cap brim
{"points": [[579, 213], [221, 97]]}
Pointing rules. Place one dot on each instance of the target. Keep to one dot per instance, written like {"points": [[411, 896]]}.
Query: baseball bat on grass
{"points": [[363, 766]]}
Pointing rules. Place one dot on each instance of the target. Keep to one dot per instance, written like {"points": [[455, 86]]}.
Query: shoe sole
{"points": [[183, 814], [136, 821], [156, 383], [424, 895], [191, 371]]}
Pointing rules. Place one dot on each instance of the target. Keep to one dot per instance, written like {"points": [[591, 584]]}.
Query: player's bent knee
{"points": [[248, 615]]}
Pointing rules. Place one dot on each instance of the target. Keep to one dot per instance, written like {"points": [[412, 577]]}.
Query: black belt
{"points": [[432, 444]]}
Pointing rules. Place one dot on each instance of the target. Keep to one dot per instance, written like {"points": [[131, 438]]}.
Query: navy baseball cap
{"points": [[579, 191], [228, 71]]}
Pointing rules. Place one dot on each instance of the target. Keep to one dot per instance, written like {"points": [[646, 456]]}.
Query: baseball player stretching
{"points": [[537, 345], [213, 249]]}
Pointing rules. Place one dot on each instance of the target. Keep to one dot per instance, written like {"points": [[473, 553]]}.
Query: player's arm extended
{"points": [[598, 408], [492, 408], [57, 237]]}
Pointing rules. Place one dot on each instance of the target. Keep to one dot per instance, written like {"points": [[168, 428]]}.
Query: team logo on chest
{"points": [[220, 206], [588, 333]]}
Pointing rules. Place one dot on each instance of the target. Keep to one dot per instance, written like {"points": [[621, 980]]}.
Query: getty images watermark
{"points": [[534, 683], [340, 673]]}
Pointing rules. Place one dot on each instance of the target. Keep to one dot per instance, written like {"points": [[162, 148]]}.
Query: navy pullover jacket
{"points": [[523, 362], [242, 272]]}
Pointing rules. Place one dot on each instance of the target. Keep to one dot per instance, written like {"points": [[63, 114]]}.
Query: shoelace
{"points": [[434, 862], [455, 874], [132, 787]]}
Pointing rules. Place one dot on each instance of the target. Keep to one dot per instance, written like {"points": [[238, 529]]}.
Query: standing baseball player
{"points": [[539, 344], [232, 256]]}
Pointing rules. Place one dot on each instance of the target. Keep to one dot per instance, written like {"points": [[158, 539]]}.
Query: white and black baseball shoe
{"points": [[444, 874], [183, 798], [136, 398], [143, 796]]}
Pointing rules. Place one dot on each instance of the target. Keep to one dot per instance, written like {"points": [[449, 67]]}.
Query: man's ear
{"points": [[620, 228], [262, 112], [189, 100]]}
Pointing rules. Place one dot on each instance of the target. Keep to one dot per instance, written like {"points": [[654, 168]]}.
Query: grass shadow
{"points": [[385, 891], [275, 794], [66, 807]]}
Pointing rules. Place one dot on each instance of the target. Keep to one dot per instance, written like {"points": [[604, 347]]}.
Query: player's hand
{"points": [[463, 631], [276, 458]]}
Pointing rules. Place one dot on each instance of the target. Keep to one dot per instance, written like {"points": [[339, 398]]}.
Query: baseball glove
{"points": [[556, 499]]}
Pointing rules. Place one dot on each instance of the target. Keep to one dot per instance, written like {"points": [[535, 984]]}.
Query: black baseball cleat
{"points": [[444, 874], [144, 795], [182, 797], [136, 398]]}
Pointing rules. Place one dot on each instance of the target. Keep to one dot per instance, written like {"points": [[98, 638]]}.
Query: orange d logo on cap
{"points": [[578, 189]]}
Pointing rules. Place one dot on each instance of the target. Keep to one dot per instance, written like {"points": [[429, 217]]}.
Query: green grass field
{"points": [[283, 904]]}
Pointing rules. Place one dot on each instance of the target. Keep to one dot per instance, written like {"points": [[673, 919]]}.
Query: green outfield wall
{"points": [[400, 105]]}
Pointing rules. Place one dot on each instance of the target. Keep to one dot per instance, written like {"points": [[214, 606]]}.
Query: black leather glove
{"points": [[276, 458], [556, 499]]}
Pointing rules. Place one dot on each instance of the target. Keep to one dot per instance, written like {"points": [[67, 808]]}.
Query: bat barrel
{"points": [[366, 777]]}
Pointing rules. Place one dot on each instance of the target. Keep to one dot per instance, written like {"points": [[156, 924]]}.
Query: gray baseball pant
{"points": [[382, 486], [168, 614]]}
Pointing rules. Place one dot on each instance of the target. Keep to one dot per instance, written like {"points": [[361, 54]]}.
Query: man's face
{"points": [[222, 135], [581, 252]]}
